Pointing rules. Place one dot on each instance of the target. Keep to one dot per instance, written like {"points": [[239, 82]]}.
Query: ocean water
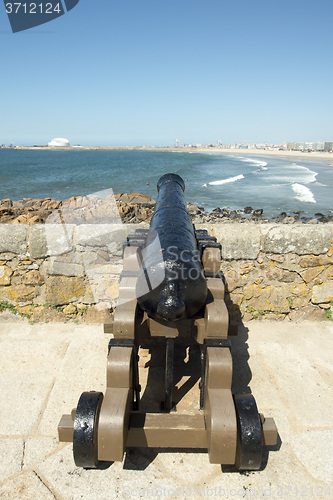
{"points": [[212, 180]]}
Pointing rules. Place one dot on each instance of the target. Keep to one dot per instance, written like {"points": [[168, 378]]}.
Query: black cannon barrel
{"points": [[171, 284]]}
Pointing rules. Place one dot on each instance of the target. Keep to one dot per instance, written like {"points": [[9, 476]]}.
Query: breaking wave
{"points": [[303, 193], [226, 181], [295, 174], [254, 162]]}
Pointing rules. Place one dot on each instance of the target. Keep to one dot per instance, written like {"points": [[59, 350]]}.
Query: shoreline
{"points": [[135, 208], [314, 155]]}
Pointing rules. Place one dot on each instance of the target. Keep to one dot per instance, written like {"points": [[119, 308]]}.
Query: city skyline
{"points": [[127, 74]]}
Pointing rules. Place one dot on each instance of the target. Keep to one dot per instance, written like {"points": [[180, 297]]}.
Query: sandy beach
{"points": [[314, 155]]}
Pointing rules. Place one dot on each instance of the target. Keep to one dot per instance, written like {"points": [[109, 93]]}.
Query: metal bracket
{"points": [[225, 343], [130, 343]]}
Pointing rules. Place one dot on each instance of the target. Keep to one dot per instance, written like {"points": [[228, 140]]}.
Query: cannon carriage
{"points": [[169, 365]]}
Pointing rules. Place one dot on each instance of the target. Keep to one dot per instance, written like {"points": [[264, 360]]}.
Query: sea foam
{"points": [[226, 181], [260, 163], [295, 174], [308, 176], [303, 193]]}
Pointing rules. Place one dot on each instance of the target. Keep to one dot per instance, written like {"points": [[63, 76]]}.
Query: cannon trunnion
{"points": [[171, 330]]}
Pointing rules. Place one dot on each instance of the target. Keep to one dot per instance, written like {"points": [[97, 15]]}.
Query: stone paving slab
{"points": [[45, 367]]}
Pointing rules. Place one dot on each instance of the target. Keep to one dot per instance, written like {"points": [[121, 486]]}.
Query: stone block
{"points": [[276, 273], [300, 290], [24, 309], [47, 315], [315, 261], [104, 288], [322, 293], [50, 239], [93, 315], [5, 274], [238, 241], [327, 275], [23, 394], [13, 239], [62, 290], [25, 486], [307, 313], [32, 278], [69, 310], [301, 239], [11, 457], [81, 369], [64, 268], [110, 236], [269, 299], [18, 293], [303, 445], [310, 274]]}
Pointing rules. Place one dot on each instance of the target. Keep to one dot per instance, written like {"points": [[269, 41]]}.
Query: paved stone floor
{"points": [[45, 367]]}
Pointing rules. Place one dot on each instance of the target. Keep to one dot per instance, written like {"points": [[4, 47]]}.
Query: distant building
{"points": [[305, 146], [59, 143], [328, 146]]}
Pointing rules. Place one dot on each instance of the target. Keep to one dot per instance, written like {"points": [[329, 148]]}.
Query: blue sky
{"points": [[130, 72]]}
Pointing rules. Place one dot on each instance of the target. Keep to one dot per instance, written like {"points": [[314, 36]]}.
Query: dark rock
{"points": [[283, 214], [248, 210], [226, 212], [5, 211], [258, 212]]}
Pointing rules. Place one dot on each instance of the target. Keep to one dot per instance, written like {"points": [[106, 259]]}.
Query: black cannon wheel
{"points": [[85, 429], [250, 437]]}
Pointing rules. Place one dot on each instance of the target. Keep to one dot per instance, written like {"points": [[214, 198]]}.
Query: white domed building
{"points": [[58, 143]]}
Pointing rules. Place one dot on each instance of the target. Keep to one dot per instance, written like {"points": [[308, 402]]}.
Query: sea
{"points": [[234, 181]]}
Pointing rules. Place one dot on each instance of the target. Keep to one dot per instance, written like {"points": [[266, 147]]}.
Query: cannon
{"points": [[171, 330]]}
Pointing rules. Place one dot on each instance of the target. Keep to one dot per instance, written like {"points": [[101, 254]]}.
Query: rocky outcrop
{"points": [[128, 208], [133, 207]]}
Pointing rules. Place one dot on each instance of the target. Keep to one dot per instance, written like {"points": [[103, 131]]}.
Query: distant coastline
{"points": [[277, 182], [313, 155]]}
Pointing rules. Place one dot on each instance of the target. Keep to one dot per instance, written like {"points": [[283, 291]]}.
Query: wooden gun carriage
{"points": [[171, 326]]}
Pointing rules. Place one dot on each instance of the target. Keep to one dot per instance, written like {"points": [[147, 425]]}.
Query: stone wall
{"points": [[55, 272], [278, 271]]}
